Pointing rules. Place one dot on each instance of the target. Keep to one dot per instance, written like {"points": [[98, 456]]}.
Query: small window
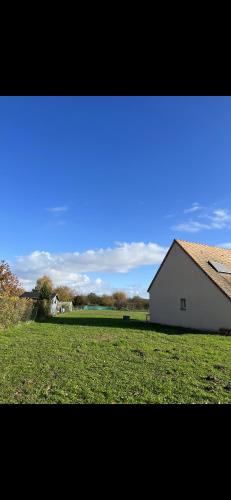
{"points": [[183, 304]]}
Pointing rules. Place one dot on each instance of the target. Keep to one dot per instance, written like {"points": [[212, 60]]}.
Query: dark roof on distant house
{"points": [[35, 295], [31, 295]]}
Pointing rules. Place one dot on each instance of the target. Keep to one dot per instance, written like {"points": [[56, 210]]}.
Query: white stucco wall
{"points": [[54, 305], [207, 307]]}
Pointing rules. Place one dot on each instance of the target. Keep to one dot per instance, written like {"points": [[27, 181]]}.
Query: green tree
{"points": [[79, 300], [93, 299], [45, 291]]}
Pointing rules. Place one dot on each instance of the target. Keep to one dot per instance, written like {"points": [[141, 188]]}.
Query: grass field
{"points": [[96, 357]]}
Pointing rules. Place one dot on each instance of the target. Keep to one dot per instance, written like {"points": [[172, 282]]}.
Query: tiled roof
{"points": [[201, 254]]}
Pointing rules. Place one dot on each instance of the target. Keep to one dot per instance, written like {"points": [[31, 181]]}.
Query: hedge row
{"points": [[13, 310], [43, 309]]}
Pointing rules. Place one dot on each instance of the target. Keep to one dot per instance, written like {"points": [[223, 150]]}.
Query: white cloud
{"points": [[219, 219], [194, 208], [122, 258], [57, 210], [78, 282], [221, 216], [70, 268], [82, 284], [98, 281], [190, 227]]}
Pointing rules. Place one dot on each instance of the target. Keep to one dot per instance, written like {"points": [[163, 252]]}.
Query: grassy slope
{"points": [[95, 357]]}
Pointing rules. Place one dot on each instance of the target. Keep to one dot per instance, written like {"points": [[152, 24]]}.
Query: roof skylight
{"points": [[220, 268]]}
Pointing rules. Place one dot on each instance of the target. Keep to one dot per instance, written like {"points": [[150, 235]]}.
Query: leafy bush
{"points": [[9, 283], [44, 309], [14, 309]]}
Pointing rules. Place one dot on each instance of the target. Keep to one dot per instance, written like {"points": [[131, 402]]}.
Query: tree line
{"points": [[10, 285], [118, 300]]}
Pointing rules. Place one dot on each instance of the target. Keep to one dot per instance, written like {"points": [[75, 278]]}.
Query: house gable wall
{"points": [[207, 308]]}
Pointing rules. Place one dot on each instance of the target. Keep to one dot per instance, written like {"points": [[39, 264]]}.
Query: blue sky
{"points": [[94, 189]]}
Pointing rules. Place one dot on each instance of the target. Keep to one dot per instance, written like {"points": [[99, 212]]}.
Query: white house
{"points": [[192, 287], [65, 306], [55, 304], [35, 296]]}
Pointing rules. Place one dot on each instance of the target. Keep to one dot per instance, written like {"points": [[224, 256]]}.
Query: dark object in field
{"points": [[126, 318], [225, 331], [210, 388], [139, 352], [211, 378], [220, 367], [228, 387]]}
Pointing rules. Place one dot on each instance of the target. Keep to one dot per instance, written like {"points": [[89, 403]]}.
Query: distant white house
{"points": [[192, 287], [55, 304], [35, 295], [65, 306]]}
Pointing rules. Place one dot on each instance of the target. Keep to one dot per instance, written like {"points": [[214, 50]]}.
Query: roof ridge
{"points": [[202, 244]]}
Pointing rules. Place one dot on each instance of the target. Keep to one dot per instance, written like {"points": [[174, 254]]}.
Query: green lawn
{"points": [[96, 357]]}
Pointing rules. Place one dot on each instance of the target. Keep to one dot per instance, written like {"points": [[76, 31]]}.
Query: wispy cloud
{"points": [[57, 210], [218, 219], [194, 208], [190, 227], [169, 216]]}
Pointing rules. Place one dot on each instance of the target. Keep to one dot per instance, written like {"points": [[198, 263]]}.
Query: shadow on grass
{"points": [[132, 324]]}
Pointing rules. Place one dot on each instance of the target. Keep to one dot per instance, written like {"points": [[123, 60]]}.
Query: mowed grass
{"points": [[96, 357]]}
